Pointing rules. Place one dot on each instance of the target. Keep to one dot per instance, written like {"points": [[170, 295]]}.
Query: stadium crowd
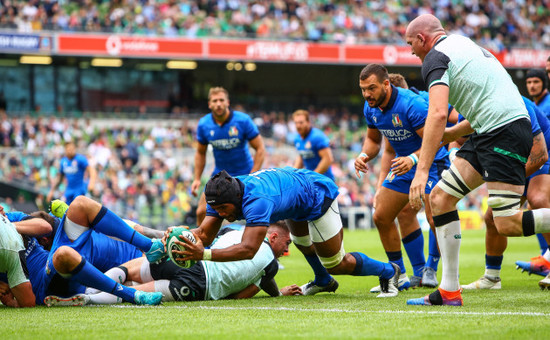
{"points": [[145, 173], [494, 24]]}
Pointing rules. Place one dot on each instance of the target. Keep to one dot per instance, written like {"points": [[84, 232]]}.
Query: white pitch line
{"points": [[335, 310]]}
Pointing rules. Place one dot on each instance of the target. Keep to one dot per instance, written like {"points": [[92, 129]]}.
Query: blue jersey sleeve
{"points": [[368, 117], [417, 113], [535, 127], [201, 138], [16, 216], [250, 129], [82, 162], [257, 212], [321, 142]]}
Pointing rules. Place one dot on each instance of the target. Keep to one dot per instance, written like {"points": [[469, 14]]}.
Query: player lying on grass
{"points": [[307, 201], [69, 267], [207, 280]]}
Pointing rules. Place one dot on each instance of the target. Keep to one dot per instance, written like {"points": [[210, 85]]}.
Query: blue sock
{"points": [[322, 277], [365, 266], [397, 258], [88, 275], [414, 246], [543, 244], [493, 262], [108, 223], [433, 252]]}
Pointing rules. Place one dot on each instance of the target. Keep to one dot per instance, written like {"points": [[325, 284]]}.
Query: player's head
{"points": [[224, 194], [536, 81], [301, 120], [548, 67], [279, 238], [70, 149], [422, 34], [375, 84], [218, 101], [397, 80], [47, 240]]}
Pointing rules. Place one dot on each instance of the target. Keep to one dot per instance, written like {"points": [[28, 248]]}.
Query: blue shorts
{"points": [[402, 183], [70, 195], [544, 170], [108, 253]]}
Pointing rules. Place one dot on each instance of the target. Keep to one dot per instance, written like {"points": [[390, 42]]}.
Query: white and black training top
{"points": [[479, 86]]}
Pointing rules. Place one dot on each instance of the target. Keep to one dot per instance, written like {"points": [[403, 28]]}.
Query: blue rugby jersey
{"points": [[74, 170], [271, 195], [229, 141], [405, 113], [544, 105], [309, 147]]}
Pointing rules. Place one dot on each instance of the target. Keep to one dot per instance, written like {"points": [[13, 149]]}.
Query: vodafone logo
{"points": [[116, 45], [113, 45], [390, 54]]}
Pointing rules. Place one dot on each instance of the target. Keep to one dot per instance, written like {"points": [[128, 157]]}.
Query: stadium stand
{"points": [[495, 24]]}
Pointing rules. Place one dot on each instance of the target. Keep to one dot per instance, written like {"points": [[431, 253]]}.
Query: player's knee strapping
{"points": [[452, 183], [504, 202], [304, 241], [333, 261]]}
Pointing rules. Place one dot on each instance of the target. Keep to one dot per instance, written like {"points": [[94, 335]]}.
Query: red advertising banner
{"points": [[258, 50], [127, 46]]}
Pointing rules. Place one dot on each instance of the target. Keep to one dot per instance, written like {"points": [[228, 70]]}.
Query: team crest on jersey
{"points": [[396, 121], [48, 271], [308, 145], [233, 131], [375, 119], [211, 133]]}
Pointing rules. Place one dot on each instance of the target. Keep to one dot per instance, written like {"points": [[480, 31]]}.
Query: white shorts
{"points": [[326, 227]]}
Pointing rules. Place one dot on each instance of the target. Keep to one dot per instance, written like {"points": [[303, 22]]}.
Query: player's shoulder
{"points": [[205, 119], [241, 116]]}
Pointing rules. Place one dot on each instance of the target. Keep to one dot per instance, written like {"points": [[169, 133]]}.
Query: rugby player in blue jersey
{"points": [[536, 82], [536, 193], [398, 115], [229, 132], [306, 200], [69, 266], [74, 167], [313, 146], [463, 74]]}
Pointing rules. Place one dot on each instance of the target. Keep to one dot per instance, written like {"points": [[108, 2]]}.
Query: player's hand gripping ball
{"points": [[172, 245]]}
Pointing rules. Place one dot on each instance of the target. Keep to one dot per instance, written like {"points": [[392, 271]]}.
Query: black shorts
{"points": [[186, 284], [500, 155]]}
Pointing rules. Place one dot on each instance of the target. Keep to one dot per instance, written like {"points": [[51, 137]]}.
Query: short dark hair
{"points": [[379, 70], [279, 225], [398, 80]]}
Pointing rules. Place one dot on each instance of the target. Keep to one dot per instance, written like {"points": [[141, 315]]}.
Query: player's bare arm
{"points": [[200, 161], [326, 160], [251, 242], [538, 155], [371, 148], [433, 133], [33, 227], [257, 143]]}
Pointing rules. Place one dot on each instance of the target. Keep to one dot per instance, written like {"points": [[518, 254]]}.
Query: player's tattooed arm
{"points": [[538, 155]]}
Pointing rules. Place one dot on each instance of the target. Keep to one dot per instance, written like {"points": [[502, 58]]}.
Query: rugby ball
{"points": [[172, 245]]}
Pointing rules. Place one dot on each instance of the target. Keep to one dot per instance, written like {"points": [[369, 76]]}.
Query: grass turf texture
{"points": [[519, 310]]}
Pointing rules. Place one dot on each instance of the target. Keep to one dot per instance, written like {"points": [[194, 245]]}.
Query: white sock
{"points": [[115, 273], [542, 220], [493, 273], [448, 238], [163, 287], [104, 299], [546, 255], [145, 271]]}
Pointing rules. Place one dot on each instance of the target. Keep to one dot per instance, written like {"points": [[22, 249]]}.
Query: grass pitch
{"points": [[519, 310]]}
